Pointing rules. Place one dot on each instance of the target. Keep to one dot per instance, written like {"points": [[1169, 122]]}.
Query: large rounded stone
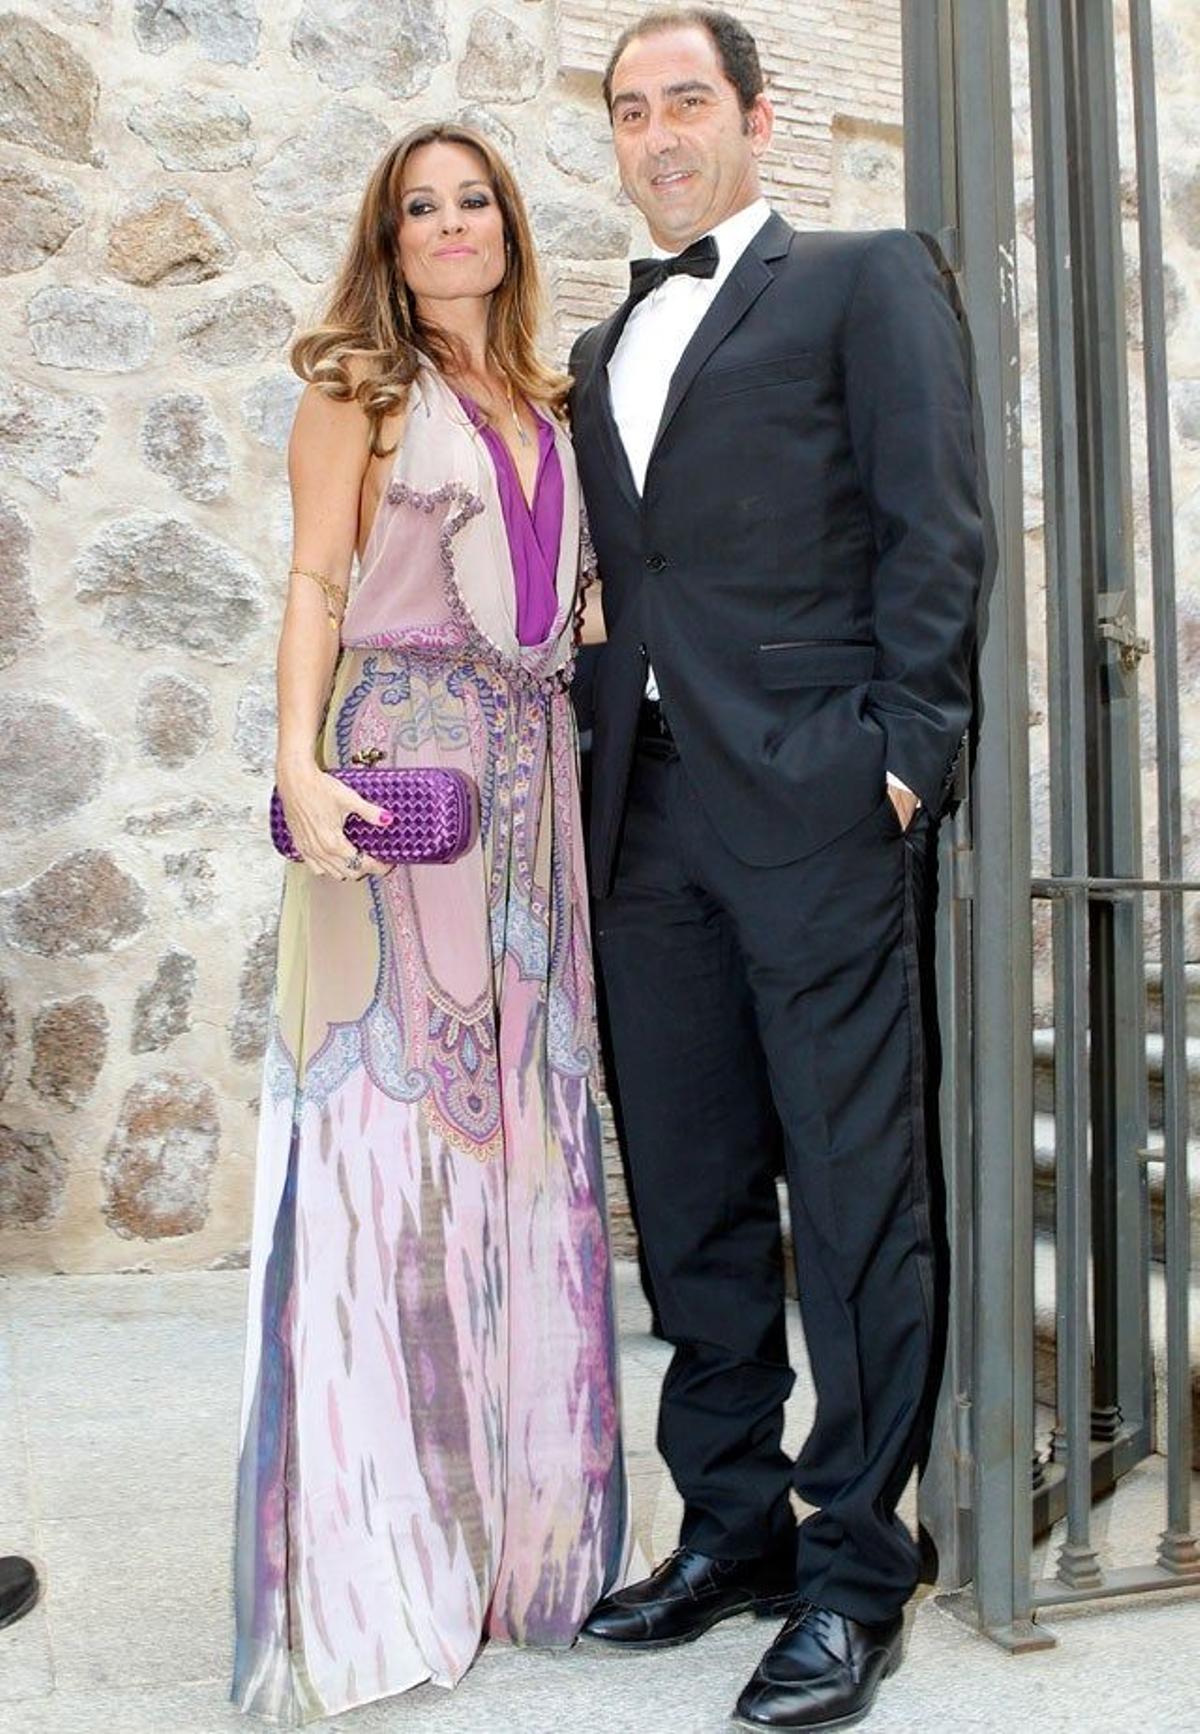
{"points": [[164, 583], [473, 114], [256, 986], [160, 1158], [1185, 400], [81, 904], [579, 142], [182, 440], [326, 162], [351, 42], [312, 245], [166, 237], [579, 229], [269, 408], [163, 1008], [90, 330], [37, 215], [223, 30], [194, 878], [48, 92], [192, 814], [51, 762], [70, 1041], [85, 11], [256, 723], [45, 435], [33, 1177], [174, 719], [8, 1037], [1174, 298], [195, 129], [19, 624], [1183, 203], [500, 63], [249, 325]]}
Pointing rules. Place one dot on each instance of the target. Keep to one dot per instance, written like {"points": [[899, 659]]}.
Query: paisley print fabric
{"points": [[430, 1443]]}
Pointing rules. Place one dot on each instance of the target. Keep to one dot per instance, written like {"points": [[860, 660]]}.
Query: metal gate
{"points": [[991, 1483]]}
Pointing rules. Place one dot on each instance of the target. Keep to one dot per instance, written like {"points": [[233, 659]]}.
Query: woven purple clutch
{"points": [[431, 814]]}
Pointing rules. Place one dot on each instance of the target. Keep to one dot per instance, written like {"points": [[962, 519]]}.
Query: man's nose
{"points": [[660, 136]]}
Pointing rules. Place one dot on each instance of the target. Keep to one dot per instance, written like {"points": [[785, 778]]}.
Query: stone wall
{"points": [[175, 183]]}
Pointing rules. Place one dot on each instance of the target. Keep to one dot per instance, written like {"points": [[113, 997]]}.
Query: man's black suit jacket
{"points": [[803, 565]]}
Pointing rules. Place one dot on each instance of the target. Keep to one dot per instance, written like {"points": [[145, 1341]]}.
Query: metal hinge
{"points": [[964, 1457], [1117, 626]]}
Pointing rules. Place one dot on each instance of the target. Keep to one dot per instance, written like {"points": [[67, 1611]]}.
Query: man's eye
{"points": [[628, 115]]}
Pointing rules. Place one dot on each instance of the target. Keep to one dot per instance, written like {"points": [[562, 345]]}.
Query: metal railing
{"points": [[981, 1501]]}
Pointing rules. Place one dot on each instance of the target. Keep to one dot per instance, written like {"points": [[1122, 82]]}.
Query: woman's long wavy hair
{"points": [[371, 316]]}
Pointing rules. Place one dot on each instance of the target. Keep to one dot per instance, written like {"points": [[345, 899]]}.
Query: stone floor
{"points": [[118, 1400]]}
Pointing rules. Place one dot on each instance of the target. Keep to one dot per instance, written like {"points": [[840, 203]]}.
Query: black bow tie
{"points": [[698, 260]]}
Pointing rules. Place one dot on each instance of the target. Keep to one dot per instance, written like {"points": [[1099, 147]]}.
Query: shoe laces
{"points": [[806, 1613]]}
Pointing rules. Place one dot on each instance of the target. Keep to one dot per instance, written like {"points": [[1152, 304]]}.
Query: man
{"points": [[774, 436]]}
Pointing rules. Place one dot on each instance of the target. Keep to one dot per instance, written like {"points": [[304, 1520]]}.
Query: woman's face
{"points": [[451, 227]]}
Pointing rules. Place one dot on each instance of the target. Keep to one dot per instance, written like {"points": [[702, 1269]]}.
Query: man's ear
{"points": [[760, 123]]}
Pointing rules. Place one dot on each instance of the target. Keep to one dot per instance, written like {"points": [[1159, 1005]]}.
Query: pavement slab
{"points": [[118, 1437]]}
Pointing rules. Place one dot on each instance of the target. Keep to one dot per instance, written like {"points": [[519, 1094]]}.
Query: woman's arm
{"points": [[328, 455]]}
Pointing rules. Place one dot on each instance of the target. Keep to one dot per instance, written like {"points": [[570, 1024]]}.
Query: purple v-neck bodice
{"points": [[534, 531]]}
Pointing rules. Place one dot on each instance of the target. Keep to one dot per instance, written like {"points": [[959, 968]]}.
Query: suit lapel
{"points": [[598, 400], [742, 288]]}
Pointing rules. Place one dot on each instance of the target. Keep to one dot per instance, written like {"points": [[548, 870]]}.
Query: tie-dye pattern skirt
{"points": [[430, 1440]]}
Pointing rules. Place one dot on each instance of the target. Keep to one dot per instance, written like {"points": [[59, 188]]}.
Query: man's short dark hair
{"points": [[736, 48]]}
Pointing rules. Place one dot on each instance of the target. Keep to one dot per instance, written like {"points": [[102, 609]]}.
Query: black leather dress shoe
{"points": [[688, 1593], [18, 1588], [822, 1671]]}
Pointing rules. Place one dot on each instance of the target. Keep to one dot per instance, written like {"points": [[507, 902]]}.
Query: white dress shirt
{"points": [[659, 330], [655, 336], [650, 347]]}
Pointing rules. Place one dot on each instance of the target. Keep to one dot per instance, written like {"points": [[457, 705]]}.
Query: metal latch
{"points": [[1118, 628]]}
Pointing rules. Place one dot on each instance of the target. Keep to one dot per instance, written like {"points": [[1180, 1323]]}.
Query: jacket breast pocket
{"points": [[759, 375], [814, 662]]}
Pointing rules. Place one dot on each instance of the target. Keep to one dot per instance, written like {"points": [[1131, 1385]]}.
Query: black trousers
{"points": [[765, 1017]]}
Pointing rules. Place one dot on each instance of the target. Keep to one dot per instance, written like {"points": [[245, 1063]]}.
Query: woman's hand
{"points": [[317, 806]]}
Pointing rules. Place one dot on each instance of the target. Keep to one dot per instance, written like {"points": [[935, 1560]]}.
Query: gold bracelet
{"points": [[335, 596]]}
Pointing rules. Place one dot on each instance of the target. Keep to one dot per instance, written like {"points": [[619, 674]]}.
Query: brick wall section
{"points": [[833, 59]]}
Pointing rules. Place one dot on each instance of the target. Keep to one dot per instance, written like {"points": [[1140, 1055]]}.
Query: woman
{"points": [[430, 1450]]}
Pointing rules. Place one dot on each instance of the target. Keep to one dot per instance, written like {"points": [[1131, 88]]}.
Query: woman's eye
{"points": [[419, 208], [478, 202]]}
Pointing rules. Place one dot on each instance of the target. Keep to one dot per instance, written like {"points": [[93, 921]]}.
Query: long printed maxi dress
{"points": [[430, 1442]]}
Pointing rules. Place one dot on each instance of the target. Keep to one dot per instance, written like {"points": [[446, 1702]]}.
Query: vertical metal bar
{"points": [[1118, 1040], [1003, 968], [1178, 1550], [1078, 1563], [945, 1493]]}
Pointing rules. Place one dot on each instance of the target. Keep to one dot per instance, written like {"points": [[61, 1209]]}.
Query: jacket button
{"points": [[655, 562]]}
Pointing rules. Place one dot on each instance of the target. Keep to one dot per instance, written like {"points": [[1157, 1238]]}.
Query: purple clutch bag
{"points": [[431, 814]]}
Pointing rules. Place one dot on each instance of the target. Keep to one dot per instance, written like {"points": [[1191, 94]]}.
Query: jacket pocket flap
{"points": [[754, 375], [815, 663]]}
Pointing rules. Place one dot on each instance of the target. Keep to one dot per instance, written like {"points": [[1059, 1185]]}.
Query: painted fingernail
{"points": [[384, 817]]}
